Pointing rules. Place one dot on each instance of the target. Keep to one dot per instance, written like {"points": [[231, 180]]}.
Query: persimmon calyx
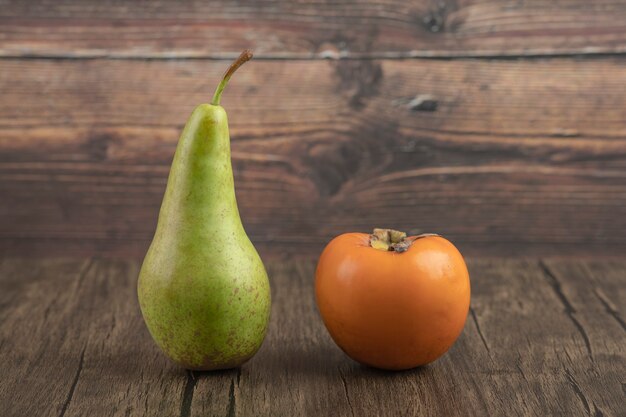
{"points": [[393, 241], [389, 240]]}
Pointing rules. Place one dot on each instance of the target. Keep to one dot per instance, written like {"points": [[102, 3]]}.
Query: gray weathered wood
{"points": [[42, 334], [542, 338], [73, 344], [593, 295]]}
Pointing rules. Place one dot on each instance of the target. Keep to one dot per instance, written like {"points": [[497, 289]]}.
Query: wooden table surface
{"points": [[542, 338]]}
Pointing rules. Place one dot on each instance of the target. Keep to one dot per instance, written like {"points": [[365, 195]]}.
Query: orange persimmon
{"points": [[391, 301]]}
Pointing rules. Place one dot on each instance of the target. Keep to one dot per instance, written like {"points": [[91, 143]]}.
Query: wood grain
{"points": [[542, 338], [69, 341], [511, 157], [590, 293], [279, 29]]}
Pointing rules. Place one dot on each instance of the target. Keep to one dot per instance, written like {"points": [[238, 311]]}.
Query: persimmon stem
{"points": [[243, 58], [389, 240]]}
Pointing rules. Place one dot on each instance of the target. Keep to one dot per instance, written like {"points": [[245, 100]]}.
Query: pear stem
{"points": [[243, 58]]}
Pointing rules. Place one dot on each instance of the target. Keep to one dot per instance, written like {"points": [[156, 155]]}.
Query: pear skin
{"points": [[203, 290]]}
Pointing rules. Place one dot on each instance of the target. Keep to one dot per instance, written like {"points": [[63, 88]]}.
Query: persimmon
{"points": [[391, 301]]}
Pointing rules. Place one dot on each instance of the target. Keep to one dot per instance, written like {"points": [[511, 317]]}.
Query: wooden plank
{"points": [[517, 158], [74, 344], [541, 339], [41, 355], [279, 29], [124, 373], [295, 372], [528, 324], [593, 295]]}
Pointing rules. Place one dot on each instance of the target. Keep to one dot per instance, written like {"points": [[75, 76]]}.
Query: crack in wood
{"points": [[578, 391], [83, 272], [345, 391], [70, 394], [46, 312], [190, 386], [596, 411], [521, 371], [480, 333], [113, 325], [86, 267], [232, 404], [610, 308], [555, 284]]}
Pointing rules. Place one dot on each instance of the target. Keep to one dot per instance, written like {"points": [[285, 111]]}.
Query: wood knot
{"points": [[423, 102]]}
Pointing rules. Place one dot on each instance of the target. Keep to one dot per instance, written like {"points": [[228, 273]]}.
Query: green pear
{"points": [[203, 290]]}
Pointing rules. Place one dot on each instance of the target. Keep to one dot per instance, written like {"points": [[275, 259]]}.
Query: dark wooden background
{"points": [[501, 125]]}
